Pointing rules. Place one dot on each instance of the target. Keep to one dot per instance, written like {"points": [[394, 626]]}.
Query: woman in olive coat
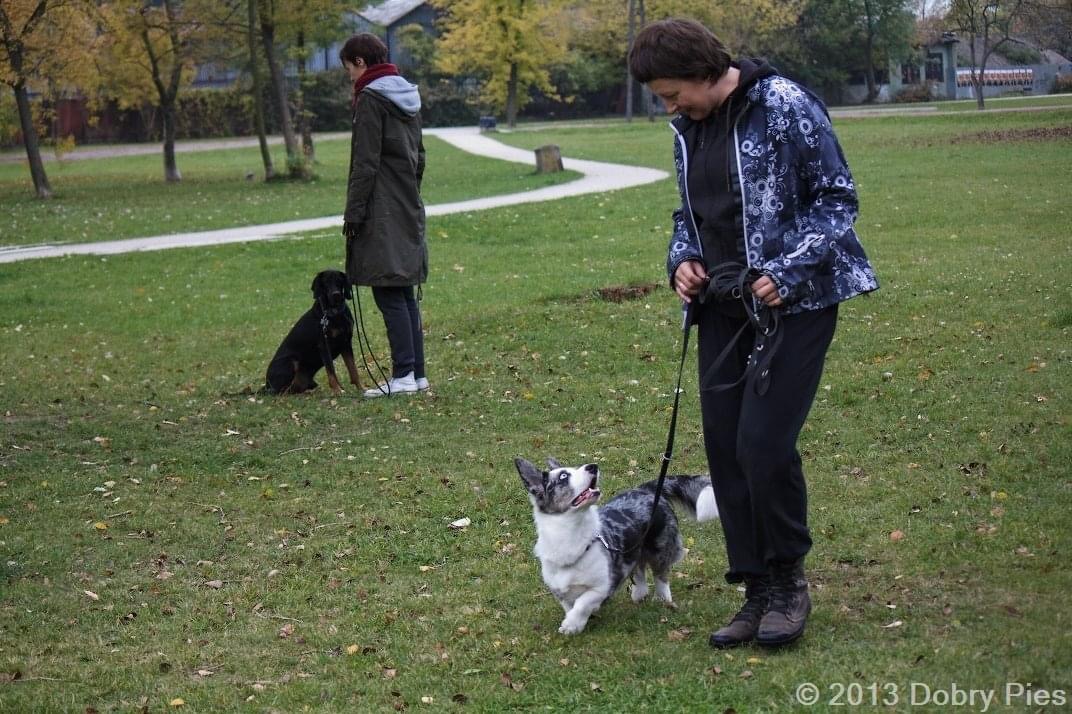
{"points": [[384, 218]]}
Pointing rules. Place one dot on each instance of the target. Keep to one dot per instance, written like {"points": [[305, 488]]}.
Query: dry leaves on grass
{"points": [[679, 635]]}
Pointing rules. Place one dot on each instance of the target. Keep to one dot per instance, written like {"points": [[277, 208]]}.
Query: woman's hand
{"points": [[766, 292], [689, 279]]}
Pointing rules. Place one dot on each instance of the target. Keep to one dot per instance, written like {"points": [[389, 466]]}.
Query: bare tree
{"points": [[988, 25]]}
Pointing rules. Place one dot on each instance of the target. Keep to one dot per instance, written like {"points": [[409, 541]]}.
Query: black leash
{"points": [[732, 281], [363, 344], [727, 281], [668, 452]]}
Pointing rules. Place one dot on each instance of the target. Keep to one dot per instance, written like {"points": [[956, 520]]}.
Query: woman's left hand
{"points": [[766, 292]]}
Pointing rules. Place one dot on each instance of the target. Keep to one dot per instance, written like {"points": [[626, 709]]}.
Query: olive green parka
{"points": [[383, 198]]}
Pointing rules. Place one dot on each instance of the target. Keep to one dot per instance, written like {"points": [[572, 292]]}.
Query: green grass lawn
{"points": [[126, 197], [164, 535]]}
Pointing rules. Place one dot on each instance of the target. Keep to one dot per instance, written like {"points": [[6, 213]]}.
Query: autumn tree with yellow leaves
{"points": [[42, 41], [509, 45], [151, 51]]}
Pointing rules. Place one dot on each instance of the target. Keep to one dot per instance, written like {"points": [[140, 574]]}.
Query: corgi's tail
{"points": [[694, 493]]}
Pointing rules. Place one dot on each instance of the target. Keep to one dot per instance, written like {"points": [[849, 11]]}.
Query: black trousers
{"points": [[751, 440], [402, 318]]}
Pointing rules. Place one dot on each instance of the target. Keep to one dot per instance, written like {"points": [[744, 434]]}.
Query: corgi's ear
{"points": [[535, 481], [552, 463]]}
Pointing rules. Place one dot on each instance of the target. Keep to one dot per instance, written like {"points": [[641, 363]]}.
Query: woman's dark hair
{"points": [[677, 49], [366, 46]]}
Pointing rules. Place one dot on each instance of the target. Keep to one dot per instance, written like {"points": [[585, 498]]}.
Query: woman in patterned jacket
{"points": [[767, 204]]}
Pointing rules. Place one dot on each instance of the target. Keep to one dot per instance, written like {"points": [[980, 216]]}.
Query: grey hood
{"points": [[399, 92]]}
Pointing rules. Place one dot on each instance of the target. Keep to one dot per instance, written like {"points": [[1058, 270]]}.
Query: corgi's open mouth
{"points": [[588, 495]]}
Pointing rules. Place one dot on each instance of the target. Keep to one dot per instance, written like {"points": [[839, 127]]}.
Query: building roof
{"points": [[389, 12]]}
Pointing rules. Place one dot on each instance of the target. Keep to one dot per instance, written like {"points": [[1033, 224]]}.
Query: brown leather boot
{"points": [[789, 605], [745, 623]]}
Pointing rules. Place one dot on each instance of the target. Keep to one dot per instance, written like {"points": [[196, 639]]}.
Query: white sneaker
{"points": [[422, 384], [396, 385]]}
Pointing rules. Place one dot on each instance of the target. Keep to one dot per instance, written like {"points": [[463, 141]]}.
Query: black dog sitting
{"points": [[324, 332]]}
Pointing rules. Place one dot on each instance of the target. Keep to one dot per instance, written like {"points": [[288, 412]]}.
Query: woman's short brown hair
{"points": [[366, 46], [677, 49]]}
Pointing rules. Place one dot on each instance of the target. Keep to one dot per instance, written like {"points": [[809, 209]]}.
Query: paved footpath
{"points": [[597, 177]]}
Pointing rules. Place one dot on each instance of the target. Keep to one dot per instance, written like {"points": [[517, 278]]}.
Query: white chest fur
{"points": [[572, 559]]}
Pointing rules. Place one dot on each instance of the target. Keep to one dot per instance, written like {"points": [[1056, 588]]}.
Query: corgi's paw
{"points": [[639, 591], [571, 627], [662, 591]]}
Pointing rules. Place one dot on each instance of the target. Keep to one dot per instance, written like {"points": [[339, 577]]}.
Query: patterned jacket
{"points": [[797, 199]]}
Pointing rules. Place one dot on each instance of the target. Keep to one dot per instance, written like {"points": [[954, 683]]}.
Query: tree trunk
{"points": [[869, 53], [167, 120], [29, 141], [630, 34], [258, 93], [305, 124], [295, 163], [511, 97], [645, 92], [977, 74], [872, 85]]}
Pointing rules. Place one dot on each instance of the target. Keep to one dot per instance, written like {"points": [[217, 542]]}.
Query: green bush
{"points": [[327, 99], [1062, 84], [1020, 54], [211, 113], [9, 120], [914, 93]]}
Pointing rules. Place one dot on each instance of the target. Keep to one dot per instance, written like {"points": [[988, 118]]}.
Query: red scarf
{"points": [[371, 74]]}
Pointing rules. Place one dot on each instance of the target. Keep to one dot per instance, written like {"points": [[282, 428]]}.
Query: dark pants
{"points": [[402, 318], [751, 440]]}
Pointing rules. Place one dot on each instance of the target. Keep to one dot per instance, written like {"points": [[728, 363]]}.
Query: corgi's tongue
{"points": [[586, 496]]}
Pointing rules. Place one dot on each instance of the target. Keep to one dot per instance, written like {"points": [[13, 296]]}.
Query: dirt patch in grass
{"points": [[1048, 133], [621, 293]]}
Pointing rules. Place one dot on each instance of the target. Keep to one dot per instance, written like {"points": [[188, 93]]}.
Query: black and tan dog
{"points": [[323, 333]]}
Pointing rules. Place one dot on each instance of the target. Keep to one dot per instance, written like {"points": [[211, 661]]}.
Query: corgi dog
{"points": [[586, 551]]}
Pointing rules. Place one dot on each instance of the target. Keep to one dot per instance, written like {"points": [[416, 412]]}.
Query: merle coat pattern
{"points": [[324, 332], [586, 552]]}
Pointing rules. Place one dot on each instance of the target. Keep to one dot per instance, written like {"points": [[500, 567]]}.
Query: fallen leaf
{"points": [[286, 631], [461, 523], [205, 673], [895, 623], [595, 687], [390, 673], [352, 650], [427, 700], [92, 595], [101, 526], [897, 536], [214, 584], [747, 674], [754, 660], [177, 702], [679, 635]]}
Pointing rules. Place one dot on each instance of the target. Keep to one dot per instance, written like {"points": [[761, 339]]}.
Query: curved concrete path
{"points": [[596, 177]]}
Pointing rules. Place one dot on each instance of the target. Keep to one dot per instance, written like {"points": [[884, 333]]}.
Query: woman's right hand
{"points": [[689, 279]]}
